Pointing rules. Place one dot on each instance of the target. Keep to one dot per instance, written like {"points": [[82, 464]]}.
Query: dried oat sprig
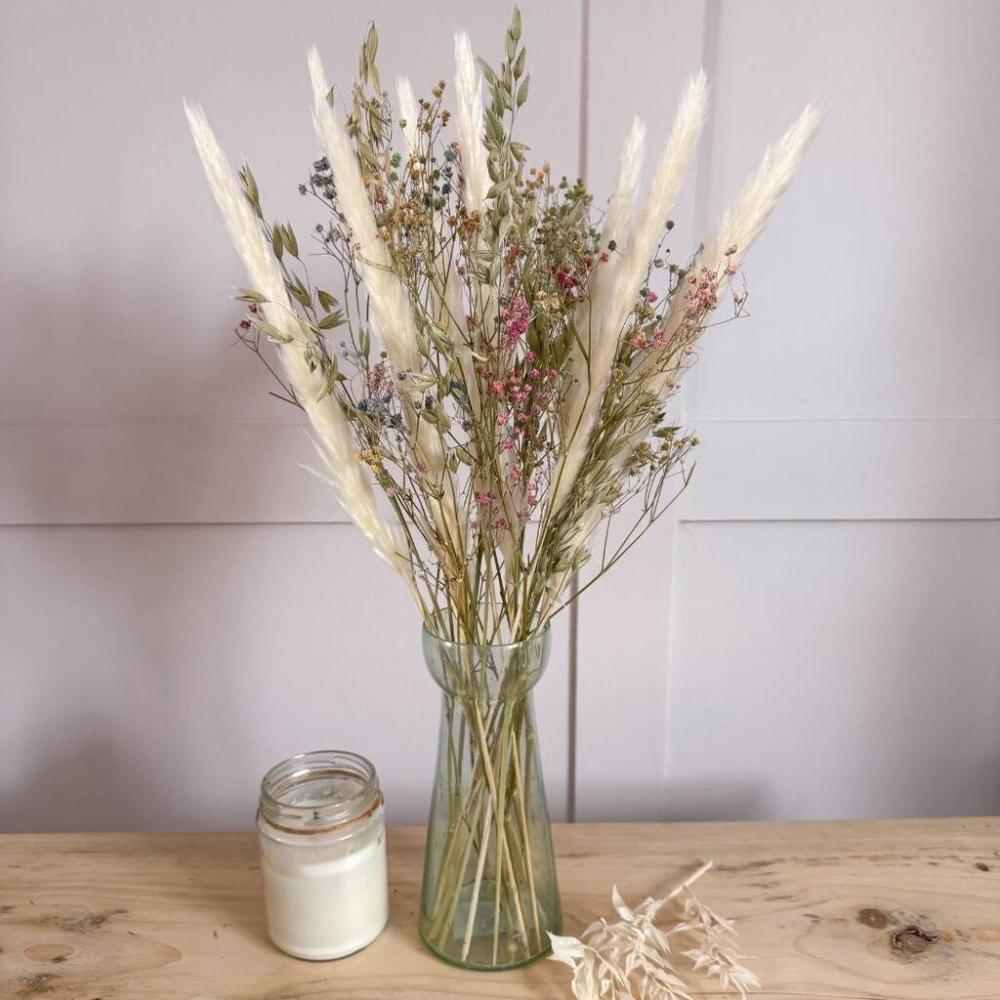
{"points": [[636, 958]]}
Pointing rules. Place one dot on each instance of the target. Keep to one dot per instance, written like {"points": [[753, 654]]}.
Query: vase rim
{"points": [[534, 637]]}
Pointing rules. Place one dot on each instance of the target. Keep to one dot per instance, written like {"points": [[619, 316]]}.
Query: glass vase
{"points": [[489, 889]]}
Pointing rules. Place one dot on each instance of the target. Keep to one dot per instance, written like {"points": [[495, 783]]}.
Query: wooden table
{"points": [[899, 909]]}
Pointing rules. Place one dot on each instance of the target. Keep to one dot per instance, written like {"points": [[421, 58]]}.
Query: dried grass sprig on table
{"points": [[636, 958]]}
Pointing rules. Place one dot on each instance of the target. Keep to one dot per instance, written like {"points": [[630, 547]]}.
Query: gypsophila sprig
{"points": [[645, 956]]}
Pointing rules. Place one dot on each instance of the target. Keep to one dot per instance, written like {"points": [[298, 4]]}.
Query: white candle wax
{"points": [[325, 901]]}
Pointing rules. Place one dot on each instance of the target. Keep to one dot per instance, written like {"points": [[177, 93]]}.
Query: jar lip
{"points": [[538, 636], [352, 791]]}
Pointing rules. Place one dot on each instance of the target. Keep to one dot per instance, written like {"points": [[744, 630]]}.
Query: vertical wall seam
{"points": [[574, 608], [703, 163], [702, 182]]}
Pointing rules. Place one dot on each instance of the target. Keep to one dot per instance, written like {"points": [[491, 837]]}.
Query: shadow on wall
{"points": [[714, 800], [78, 452], [120, 635], [82, 782], [121, 721]]}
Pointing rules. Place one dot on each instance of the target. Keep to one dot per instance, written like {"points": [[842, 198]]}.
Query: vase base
{"points": [[473, 966], [482, 937]]}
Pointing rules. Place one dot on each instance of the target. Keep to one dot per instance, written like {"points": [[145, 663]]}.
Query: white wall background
{"points": [[813, 633]]}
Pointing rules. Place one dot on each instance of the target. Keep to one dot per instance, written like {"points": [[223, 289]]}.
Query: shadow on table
{"points": [[220, 880]]}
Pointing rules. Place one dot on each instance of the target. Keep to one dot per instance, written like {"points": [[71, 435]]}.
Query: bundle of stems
{"points": [[494, 849], [490, 353]]}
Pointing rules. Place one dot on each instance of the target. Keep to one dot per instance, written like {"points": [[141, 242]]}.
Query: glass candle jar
{"points": [[322, 847]]}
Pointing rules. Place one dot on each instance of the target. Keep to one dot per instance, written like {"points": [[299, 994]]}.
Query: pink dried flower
{"points": [[566, 279], [515, 320]]}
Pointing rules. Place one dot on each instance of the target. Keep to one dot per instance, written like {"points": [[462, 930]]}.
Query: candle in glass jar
{"points": [[322, 845]]}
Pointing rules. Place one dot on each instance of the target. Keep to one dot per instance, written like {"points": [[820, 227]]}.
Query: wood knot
{"points": [[49, 952], [82, 924], [872, 917], [910, 934], [33, 985], [914, 938]]}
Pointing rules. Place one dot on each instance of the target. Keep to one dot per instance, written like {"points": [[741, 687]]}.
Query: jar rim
{"points": [[357, 793]]}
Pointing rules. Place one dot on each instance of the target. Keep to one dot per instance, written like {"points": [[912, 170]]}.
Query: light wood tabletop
{"points": [[896, 909]]}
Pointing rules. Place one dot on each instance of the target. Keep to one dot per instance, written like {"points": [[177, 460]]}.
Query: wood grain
{"points": [[897, 909]]}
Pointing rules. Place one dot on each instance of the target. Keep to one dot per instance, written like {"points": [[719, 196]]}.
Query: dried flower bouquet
{"points": [[494, 357]]}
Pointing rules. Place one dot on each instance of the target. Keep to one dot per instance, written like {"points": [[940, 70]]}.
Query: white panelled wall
{"points": [[812, 631], [181, 605]]}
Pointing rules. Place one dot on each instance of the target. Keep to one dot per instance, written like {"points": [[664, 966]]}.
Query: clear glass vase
{"points": [[489, 889]]}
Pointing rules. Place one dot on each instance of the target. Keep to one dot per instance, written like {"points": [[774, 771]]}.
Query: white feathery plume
{"points": [[408, 111], [619, 215], [579, 418], [745, 219], [237, 215], [589, 313], [472, 146], [333, 433], [469, 97], [663, 193], [387, 296], [747, 216]]}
